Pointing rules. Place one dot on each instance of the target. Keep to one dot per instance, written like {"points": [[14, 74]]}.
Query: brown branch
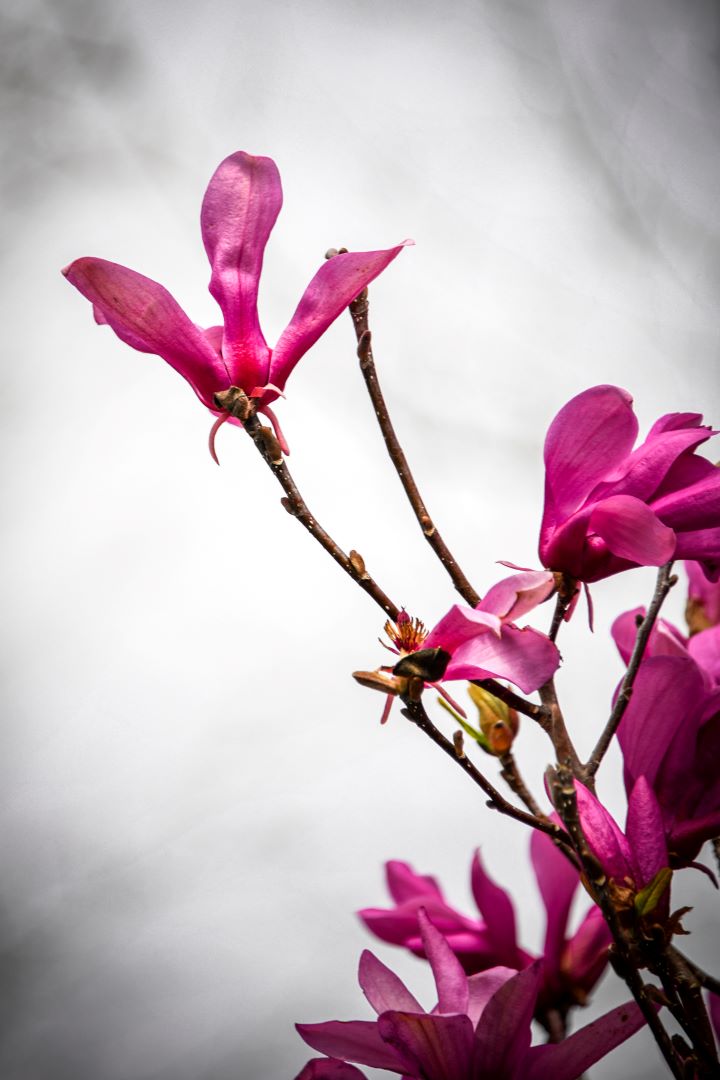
{"points": [[415, 712], [239, 405], [359, 312], [514, 780], [514, 701], [558, 732], [665, 581]]}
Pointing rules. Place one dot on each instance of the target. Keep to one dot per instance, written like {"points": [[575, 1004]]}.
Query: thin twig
{"points": [[359, 312], [415, 711], [665, 581], [703, 977], [514, 780], [558, 732], [295, 505]]}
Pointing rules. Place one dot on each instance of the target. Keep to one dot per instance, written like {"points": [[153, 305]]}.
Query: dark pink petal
{"points": [[632, 531], [647, 467], [704, 648], [687, 838], [352, 1040], [336, 284], [330, 1069], [382, 987], [704, 592], [587, 442], [404, 884], [144, 315], [557, 880], [240, 207], [525, 657], [503, 1033], [667, 690], [665, 639], [695, 502], [440, 1047], [485, 985], [645, 833], [586, 953], [497, 910], [714, 1010], [567, 1060], [604, 836], [514, 596], [450, 979]]}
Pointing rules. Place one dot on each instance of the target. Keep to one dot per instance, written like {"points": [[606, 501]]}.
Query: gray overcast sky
{"points": [[196, 797]]}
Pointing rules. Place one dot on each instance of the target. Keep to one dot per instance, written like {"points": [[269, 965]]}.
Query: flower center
{"points": [[406, 635]]}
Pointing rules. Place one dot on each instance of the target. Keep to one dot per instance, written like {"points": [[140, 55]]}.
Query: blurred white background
{"points": [[196, 796]]}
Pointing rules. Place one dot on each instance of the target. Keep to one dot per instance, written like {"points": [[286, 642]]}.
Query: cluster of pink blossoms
{"points": [[609, 507]]}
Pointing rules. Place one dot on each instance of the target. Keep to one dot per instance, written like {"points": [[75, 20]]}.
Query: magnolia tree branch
{"points": [[359, 311], [414, 711], [556, 729], [514, 701], [239, 405], [514, 780], [663, 585]]}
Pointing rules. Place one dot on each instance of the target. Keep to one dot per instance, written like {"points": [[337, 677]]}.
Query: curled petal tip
{"points": [[223, 418]]}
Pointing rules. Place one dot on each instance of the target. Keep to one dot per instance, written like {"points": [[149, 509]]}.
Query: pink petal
{"points": [[645, 833], [330, 1069], [483, 986], [703, 591], [240, 207], [586, 953], [714, 1010], [665, 639], [646, 468], [692, 500], [704, 648], [404, 884], [503, 1033], [352, 1040], [336, 284], [557, 880], [440, 1047], [144, 315], [459, 625], [525, 657], [632, 531], [514, 596], [450, 979], [604, 836], [382, 987], [497, 910], [570, 1058], [587, 442]]}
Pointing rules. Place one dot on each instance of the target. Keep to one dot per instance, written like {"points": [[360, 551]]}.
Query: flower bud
{"points": [[498, 722]]}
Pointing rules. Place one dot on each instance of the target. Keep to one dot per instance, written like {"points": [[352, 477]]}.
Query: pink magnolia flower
{"points": [[479, 1028], [665, 639], [239, 210], [609, 508], [571, 965], [703, 598]]}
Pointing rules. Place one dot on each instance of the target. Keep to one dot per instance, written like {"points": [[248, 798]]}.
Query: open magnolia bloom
{"points": [[609, 508], [480, 1027], [239, 210], [571, 965]]}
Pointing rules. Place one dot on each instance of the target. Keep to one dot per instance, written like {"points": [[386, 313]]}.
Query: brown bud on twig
{"points": [[358, 564], [458, 744], [269, 445], [287, 505], [236, 402]]}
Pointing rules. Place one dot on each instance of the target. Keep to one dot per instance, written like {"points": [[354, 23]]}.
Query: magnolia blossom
{"points": [[480, 1027], [609, 507], [703, 607], [570, 965], [239, 210], [670, 733]]}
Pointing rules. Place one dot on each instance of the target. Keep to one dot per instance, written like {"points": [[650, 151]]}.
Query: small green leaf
{"points": [[649, 897]]}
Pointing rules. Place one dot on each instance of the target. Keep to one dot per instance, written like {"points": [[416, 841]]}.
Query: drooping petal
{"points": [[352, 1040], [503, 1032], [514, 596], [645, 833], [557, 880], [569, 1059], [240, 207], [587, 442], [604, 836], [336, 284], [440, 1047], [525, 657], [144, 315], [497, 910], [382, 987], [450, 979], [330, 1069], [632, 531]]}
